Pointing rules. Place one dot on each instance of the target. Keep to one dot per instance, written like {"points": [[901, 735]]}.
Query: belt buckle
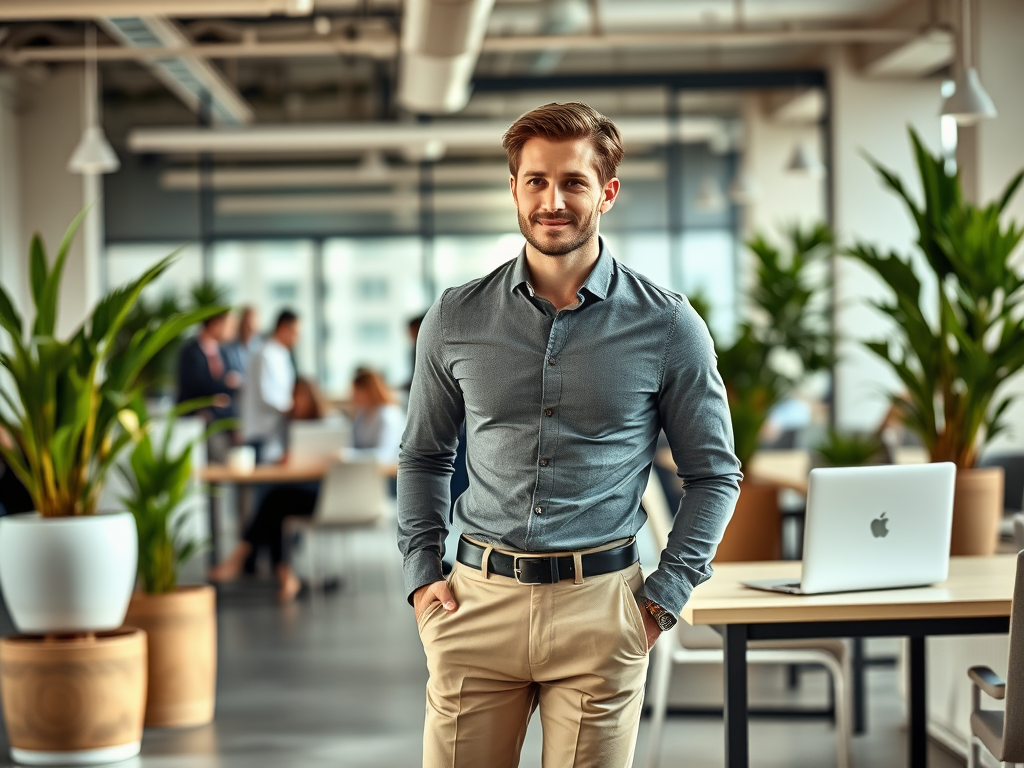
{"points": [[518, 571]]}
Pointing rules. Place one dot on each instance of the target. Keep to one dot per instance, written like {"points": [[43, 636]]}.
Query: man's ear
{"points": [[512, 186], [608, 194]]}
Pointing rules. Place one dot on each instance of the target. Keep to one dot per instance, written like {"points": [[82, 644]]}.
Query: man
{"points": [[565, 366], [267, 398], [203, 370]]}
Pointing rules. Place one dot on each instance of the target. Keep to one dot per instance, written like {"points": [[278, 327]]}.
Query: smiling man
{"points": [[565, 367]]}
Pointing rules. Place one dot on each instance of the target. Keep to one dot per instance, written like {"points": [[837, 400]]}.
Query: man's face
{"points": [[559, 195], [288, 334]]}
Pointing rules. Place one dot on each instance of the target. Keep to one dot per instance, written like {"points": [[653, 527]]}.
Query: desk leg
{"points": [[917, 708], [213, 510], [736, 712], [858, 668]]}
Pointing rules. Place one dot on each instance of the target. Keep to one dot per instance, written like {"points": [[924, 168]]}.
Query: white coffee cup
{"points": [[242, 458]]}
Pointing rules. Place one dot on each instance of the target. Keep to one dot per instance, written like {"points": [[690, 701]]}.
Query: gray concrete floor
{"points": [[338, 682]]}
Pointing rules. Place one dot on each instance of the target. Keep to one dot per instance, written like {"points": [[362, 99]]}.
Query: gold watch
{"points": [[664, 619]]}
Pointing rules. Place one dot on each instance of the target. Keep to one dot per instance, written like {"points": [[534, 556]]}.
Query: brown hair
{"points": [[374, 385], [308, 401], [566, 122]]}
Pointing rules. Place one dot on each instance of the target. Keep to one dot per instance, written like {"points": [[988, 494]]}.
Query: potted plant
{"points": [[787, 337], [66, 573], [180, 621], [954, 347], [849, 449]]}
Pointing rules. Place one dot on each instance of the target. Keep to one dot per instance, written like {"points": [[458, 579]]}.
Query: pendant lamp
{"points": [[93, 155], [969, 101]]}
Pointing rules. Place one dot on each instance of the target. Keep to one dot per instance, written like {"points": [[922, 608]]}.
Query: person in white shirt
{"points": [[267, 397], [377, 420]]}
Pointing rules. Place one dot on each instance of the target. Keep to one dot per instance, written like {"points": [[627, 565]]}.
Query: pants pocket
{"points": [[634, 616]]}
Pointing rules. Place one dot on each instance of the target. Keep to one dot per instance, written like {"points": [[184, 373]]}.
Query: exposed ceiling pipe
{"points": [[19, 10], [188, 77], [360, 137], [385, 46], [440, 46]]}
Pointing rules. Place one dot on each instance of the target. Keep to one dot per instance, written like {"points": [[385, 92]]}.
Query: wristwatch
{"points": [[664, 619]]}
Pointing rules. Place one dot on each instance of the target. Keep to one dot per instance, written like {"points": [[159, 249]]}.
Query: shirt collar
{"points": [[597, 283]]}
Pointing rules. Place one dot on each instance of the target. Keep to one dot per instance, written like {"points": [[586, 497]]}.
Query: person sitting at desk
{"points": [[377, 427]]}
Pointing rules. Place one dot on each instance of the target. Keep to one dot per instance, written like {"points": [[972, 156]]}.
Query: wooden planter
{"points": [[182, 631], [74, 701], [755, 530], [977, 511]]}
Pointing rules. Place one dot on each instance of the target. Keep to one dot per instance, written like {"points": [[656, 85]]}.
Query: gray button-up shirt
{"points": [[562, 413]]}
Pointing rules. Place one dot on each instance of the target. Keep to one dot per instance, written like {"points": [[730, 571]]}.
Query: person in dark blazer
{"points": [[203, 370]]}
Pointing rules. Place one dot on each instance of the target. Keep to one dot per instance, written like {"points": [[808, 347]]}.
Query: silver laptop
{"points": [[874, 528], [317, 442]]}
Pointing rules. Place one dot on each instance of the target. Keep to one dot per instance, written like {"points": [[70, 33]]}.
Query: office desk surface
{"points": [[271, 474], [976, 587]]}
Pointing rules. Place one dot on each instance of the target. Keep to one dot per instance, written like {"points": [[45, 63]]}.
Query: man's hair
{"points": [[214, 318], [566, 122], [286, 316]]}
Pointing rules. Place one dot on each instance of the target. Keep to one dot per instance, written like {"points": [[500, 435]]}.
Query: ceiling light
{"points": [[373, 165], [969, 102], [709, 197], [93, 155], [804, 160]]}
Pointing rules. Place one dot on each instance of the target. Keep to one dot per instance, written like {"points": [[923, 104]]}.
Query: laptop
{"points": [[874, 528], [317, 442]]}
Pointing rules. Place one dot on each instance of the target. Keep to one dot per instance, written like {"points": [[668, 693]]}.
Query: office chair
{"points": [[688, 644], [1001, 733], [352, 495]]}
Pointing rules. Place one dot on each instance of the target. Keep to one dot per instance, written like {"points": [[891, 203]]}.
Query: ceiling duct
{"points": [[187, 76], [19, 10], [440, 45]]}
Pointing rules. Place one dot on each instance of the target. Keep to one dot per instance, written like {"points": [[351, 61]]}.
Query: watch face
{"points": [[666, 621]]}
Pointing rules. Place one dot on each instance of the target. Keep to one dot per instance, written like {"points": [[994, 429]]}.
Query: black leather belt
{"points": [[542, 569]]}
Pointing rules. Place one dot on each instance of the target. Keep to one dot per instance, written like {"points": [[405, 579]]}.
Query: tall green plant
{"points": [[953, 361], [159, 488], [62, 409], [787, 337]]}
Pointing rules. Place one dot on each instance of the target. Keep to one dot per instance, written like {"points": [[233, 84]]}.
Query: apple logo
{"points": [[879, 527]]}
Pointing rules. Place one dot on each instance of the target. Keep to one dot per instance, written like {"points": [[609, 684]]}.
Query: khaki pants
{"points": [[576, 650]]}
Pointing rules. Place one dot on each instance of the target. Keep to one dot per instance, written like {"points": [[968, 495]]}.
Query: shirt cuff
{"points": [[666, 592], [421, 567]]}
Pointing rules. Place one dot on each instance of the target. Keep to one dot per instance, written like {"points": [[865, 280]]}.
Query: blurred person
{"points": [[377, 420], [375, 434], [203, 370], [245, 340], [268, 397], [564, 365], [414, 332]]}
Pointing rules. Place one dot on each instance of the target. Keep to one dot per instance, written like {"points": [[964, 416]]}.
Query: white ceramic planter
{"points": [[67, 574]]}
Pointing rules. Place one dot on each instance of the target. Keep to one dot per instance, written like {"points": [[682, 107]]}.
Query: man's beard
{"points": [[567, 242]]}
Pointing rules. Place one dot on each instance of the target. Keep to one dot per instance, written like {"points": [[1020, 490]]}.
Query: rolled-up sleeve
{"points": [[427, 457], [694, 413]]}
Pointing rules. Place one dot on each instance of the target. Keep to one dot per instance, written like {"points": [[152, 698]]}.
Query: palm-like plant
{"points": [[63, 411], [953, 362], [788, 337], [159, 483]]}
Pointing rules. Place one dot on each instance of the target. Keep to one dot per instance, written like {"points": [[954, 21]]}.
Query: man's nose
{"points": [[553, 199]]}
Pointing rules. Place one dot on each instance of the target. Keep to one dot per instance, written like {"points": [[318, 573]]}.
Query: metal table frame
{"points": [[736, 636]]}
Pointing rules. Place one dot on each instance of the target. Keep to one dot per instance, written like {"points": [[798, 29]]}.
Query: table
{"points": [[975, 599], [264, 474]]}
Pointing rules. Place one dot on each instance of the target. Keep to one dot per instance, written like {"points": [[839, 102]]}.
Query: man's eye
{"points": [[535, 182]]}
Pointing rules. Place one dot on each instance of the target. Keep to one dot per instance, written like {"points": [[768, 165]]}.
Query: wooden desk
{"points": [[264, 474], [975, 599]]}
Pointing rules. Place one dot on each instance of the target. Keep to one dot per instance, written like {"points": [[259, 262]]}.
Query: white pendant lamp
{"points": [[743, 190], [709, 197], [969, 101], [93, 155]]}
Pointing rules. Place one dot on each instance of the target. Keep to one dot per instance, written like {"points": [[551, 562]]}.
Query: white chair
{"points": [[1001, 732], [688, 644], [352, 495]]}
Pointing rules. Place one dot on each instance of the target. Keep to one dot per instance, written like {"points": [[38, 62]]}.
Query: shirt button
{"points": [[548, 412], [551, 361], [538, 510], [543, 462]]}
